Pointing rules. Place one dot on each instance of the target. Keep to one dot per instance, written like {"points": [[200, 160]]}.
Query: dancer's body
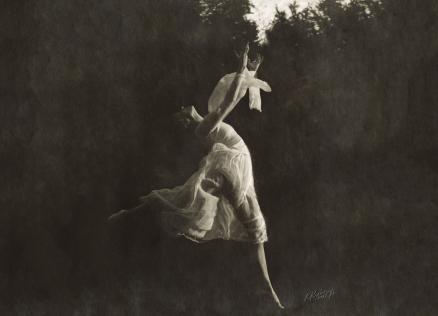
{"points": [[219, 200]]}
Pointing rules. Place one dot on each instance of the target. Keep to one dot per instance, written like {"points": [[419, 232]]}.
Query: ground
{"points": [[363, 231]]}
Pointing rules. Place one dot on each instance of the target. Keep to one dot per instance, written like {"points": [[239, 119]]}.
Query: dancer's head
{"points": [[188, 117]]}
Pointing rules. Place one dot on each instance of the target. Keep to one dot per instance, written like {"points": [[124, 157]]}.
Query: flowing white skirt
{"points": [[190, 211]]}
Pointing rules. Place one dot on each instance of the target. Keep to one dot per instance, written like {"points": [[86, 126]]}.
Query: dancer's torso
{"points": [[225, 134]]}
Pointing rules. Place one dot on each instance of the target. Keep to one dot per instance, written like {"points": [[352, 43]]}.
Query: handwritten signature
{"points": [[319, 294]]}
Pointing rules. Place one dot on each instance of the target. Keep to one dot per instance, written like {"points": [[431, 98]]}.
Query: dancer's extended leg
{"points": [[139, 208]]}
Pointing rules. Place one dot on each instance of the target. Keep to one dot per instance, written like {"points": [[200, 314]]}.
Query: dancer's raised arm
{"points": [[231, 98]]}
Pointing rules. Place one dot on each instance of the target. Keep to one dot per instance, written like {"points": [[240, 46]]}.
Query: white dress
{"points": [[189, 211]]}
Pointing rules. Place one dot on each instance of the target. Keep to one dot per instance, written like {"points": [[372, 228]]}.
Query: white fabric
{"points": [[255, 101], [192, 212], [249, 82]]}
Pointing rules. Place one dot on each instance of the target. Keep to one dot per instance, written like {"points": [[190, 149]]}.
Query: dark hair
{"points": [[184, 117]]}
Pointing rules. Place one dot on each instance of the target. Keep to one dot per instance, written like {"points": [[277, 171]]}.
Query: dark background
{"points": [[344, 152]]}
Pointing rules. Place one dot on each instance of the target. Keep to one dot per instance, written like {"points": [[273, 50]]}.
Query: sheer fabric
{"points": [[190, 211], [249, 82]]}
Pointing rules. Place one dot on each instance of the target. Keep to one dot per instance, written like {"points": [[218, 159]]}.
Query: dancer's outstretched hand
{"points": [[117, 216], [255, 63]]}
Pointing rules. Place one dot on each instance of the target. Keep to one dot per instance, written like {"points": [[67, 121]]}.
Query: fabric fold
{"points": [[249, 82]]}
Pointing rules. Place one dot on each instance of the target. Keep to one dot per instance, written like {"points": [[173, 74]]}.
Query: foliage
{"points": [[345, 71], [87, 93]]}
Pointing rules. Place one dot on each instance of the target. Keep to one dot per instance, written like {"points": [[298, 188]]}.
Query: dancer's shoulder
{"points": [[222, 133]]}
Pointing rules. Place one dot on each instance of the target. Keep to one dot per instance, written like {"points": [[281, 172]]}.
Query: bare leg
{"points": [[261, 258], [122, 213], [244, 213]]}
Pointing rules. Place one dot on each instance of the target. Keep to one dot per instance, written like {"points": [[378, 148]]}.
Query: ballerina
{"points": [[219, 200]]}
